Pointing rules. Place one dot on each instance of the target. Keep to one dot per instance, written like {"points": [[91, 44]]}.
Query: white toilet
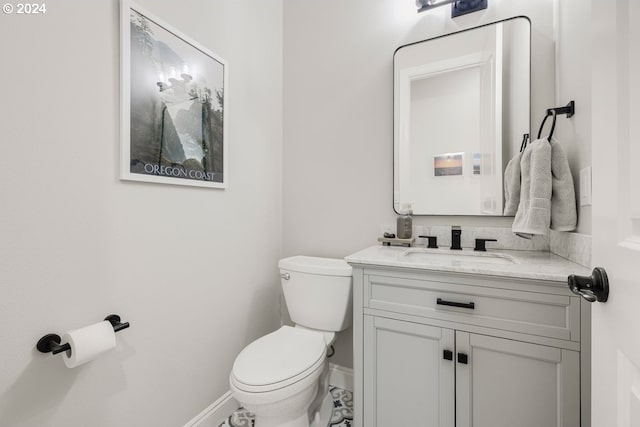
{"points": [[283, 377]]}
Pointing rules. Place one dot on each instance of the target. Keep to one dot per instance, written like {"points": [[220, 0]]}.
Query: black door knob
{"points": [[592, 288]]}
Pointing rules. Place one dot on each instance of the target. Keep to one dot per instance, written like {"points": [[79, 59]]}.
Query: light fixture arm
{"points": [[424, 5]]}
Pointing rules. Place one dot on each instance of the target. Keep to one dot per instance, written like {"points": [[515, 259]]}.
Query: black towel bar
{"points": [[50, 343]]}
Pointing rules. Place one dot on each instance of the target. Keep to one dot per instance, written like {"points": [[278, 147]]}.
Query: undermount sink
{"points": [[447, 256]]}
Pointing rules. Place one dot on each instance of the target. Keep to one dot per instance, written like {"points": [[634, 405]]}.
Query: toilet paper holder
{"points": [[50, 343]]}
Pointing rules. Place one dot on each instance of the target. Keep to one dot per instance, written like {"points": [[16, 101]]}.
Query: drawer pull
{"points": [[447, 355], [470, 305], [463, 358]]}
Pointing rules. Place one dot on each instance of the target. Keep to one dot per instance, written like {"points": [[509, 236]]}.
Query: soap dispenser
{"points": [[405, 223]]}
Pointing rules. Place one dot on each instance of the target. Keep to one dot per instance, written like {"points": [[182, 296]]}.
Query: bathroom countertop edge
{"points": [[536, 265]]}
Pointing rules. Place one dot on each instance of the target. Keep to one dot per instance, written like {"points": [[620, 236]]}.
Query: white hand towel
{"points": [[534, 209], [512, 186], [563, 199]]}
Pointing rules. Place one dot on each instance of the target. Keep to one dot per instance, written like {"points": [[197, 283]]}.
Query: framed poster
{"points": [[173, 105]]}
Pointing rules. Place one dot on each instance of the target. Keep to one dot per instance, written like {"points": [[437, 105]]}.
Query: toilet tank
{"points": [[317, 292]]}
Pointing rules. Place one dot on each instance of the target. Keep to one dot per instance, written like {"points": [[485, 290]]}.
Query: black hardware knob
{"points": [[50, 343], [432, 241], [447, 355], [463, 358], [456, 233], [592, 288], [480, 244], [114, 319]]}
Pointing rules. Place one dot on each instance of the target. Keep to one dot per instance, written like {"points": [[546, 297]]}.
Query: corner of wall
{"points": [[575, 247]]}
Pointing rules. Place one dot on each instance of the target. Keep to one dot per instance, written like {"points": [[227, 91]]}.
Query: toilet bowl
{"points": [[283, 376], [277, 377]]}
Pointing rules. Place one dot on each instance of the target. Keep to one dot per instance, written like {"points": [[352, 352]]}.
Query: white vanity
{"points": [[456, 338]]}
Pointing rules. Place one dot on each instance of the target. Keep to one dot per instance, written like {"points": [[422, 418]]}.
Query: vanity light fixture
{"points": [[458, 7]]}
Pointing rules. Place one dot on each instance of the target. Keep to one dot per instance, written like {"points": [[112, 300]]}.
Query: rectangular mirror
{"points": [[461, 110]]}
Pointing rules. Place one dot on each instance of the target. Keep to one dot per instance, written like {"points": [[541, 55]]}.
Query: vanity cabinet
{"points": [[514, 383], [407, 382], [439, 349]]}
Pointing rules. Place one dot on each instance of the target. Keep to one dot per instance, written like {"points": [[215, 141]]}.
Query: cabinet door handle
{"points": [[447, 355], [470, 305], [463, 358]]}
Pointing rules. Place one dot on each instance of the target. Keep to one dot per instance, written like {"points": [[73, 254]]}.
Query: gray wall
{"points": [[193, 270], [338, 123]]}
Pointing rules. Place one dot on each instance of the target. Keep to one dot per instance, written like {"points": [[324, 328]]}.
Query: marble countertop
{"points": [[538, 265]]}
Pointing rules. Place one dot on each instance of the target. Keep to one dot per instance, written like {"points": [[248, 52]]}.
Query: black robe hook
{"points": [[550, 112], [568, 110], [525, 139]]}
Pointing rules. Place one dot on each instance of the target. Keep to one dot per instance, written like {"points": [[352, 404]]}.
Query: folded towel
{"points": [[512, 186], [563, 198], [534, 209]]}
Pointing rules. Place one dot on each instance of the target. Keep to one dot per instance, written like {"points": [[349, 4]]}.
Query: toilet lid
{"points": [[279, 356]]}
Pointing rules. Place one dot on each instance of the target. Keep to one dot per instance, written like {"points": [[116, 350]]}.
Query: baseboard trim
{"points": [[341, 377], [215, 413], [218, 411]]}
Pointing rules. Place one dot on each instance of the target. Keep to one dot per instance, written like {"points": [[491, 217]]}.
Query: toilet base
{"points": [[323, 416], [292, 412], [302, 421]]}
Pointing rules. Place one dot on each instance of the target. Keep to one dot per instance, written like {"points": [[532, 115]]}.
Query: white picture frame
{"points": [[174, 109]]}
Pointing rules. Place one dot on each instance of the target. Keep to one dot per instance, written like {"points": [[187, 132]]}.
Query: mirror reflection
{"points": [[461, 110]]}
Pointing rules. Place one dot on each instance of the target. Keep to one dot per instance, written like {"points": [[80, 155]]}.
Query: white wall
{"points": [[193, 270], [573, 74], [338, 115]]}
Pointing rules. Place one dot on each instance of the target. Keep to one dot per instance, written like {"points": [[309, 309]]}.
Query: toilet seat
{"points": [[278, 360]]}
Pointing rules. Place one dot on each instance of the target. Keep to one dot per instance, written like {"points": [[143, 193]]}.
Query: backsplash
{"points": [[504, 236], [575, 247]]}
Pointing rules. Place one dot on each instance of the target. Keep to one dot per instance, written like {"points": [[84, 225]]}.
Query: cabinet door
{"points": [[508, 383], [407, 379]]}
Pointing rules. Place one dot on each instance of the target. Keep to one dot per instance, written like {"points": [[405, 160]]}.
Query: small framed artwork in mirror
{"points": [[450, 164], [173, 105]]}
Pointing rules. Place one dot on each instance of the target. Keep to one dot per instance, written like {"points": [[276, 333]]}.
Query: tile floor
{"points": [[342, 415]]}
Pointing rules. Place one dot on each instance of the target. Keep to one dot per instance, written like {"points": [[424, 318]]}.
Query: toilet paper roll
{"points": [[88, 343]]}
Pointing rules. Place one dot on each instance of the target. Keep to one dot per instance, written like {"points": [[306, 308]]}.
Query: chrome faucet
{"points": [[456, 233]]}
